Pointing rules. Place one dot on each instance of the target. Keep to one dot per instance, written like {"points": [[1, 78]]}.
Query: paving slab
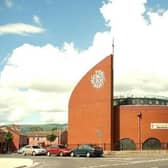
{"points": [[15, 163]]}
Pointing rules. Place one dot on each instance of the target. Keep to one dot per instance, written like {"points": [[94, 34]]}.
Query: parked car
{"points": [[20, 150], [87, 150], [34, 150], [59, 150]]}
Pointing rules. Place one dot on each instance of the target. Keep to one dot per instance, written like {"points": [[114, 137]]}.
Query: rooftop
{"points": [[132, 100]]}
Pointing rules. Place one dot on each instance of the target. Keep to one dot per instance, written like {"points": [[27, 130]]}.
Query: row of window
{"points": [[139, 101], [39, 138], [128, 144]]}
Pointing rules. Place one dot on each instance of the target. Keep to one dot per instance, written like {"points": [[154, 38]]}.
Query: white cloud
{"points": [[140, 48], [41, 79], [20, 29], [9, 3], [59, 117], [36, 19]]}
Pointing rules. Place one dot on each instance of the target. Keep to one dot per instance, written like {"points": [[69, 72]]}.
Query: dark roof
{"points": [[39, 133], [7, 128], [117, 101]]}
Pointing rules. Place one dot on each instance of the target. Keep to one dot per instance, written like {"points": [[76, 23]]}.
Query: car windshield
{"points": [[36, 147], [61, 146]]}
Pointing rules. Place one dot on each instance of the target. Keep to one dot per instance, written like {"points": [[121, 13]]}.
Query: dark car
{"points": [[59, 150], [87, 150]]}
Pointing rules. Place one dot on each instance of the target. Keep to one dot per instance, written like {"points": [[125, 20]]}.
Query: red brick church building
{"points": [[123, 123], [90, 107]]}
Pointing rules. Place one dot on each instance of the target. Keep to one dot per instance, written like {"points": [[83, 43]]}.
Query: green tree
{"points": [[51, 137], [54, 129], [8, 138]]}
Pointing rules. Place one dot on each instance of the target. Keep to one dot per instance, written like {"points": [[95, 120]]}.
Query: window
{"points": [[163, 103], [141, 101], [61, 146], [138, 101], [150, 101], [115, 103], [36, 147], [127, 144], [157, 102], [151, 143], [81, 147], [134, 101], [145, 101]]}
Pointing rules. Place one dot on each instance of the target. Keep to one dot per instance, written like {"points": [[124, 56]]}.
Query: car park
{"points": [[33, 150], [87, 150], [58, 150]]}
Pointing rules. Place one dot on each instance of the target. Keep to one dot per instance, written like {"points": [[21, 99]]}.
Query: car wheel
{"points": [[48, 154], [34, 153], [24, 153], [72, 154], [61, 154], [88, 154]]}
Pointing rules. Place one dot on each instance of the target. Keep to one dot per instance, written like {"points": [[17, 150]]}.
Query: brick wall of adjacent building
{"points": [[138, 128]]}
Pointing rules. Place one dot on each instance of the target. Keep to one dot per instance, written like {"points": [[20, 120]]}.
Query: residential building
{"points": [[18, 139]]}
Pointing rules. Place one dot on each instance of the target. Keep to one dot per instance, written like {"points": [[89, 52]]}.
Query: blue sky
{"points": [[155, 4], [62, 21], [48, 45]]}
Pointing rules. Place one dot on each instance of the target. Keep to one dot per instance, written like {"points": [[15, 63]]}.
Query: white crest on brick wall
{"points": [[98, 79]]}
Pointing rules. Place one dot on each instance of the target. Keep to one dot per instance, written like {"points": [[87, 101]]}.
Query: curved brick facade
{"points": [[90, 107], [133, 123], [141, 122]]}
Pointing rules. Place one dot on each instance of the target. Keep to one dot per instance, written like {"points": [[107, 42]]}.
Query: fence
{"points": [[127, 146]]}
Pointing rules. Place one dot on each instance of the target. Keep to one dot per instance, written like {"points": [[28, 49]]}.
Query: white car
{"points": [[20, 150], [34, 150]]}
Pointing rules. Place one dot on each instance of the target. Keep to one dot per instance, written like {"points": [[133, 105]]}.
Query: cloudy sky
{"points": [[48, 45]]}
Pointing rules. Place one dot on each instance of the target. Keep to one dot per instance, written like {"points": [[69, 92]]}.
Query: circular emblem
{"points": [[97, 79]]}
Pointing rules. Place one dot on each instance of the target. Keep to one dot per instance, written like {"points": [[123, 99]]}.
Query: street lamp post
{"points": [[139, 116]]}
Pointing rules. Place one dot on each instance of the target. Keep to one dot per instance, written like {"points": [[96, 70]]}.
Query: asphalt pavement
{"points": [[120, 159]]}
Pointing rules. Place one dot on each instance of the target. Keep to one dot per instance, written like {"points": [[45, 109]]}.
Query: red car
{"points": [[58, 150]]}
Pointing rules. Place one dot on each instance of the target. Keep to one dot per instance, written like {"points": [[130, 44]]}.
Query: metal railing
{"points": [[124, 147]]}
